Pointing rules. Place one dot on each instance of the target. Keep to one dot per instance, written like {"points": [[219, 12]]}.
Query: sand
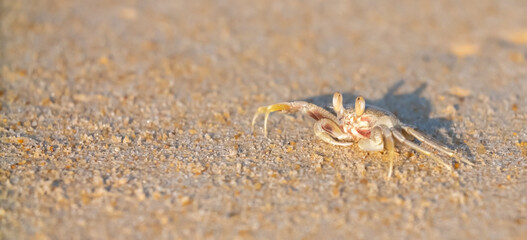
{"points": [[131, 119]]}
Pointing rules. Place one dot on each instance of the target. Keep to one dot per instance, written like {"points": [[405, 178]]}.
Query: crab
{"points": [[371, 128]]}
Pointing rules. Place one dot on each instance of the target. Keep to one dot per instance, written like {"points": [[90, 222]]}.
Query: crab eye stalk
{"points": [[337, 104], [360, 105]]}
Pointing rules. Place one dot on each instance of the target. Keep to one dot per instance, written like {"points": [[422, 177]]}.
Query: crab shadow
{"points": [[410, 108]]}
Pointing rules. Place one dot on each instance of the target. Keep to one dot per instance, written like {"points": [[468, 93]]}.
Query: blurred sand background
{"points": [[131, 119]]}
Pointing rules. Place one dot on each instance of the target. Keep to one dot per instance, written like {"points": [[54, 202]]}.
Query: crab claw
{"points": [[310, 109]]}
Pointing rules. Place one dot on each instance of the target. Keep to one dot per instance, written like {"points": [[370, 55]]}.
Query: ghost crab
{"points": [[373, 128]]}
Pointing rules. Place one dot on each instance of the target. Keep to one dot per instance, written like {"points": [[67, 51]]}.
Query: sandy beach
{"points": [[131, 119]]}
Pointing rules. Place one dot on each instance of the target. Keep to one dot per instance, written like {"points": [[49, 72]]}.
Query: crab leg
{"points": [[312, 110], [330, 132], [390, 147], [428, 140], [433, 143], [399, 137]]}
